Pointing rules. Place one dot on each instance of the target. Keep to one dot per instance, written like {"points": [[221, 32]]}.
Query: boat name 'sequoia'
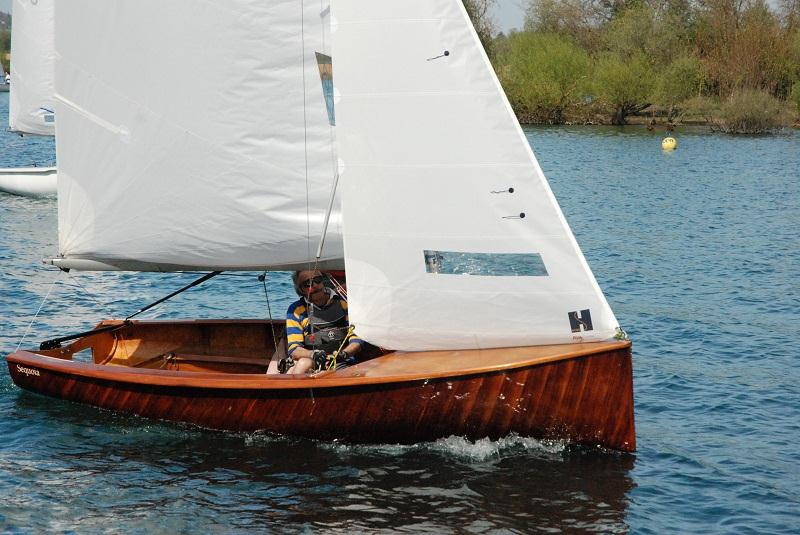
{"points": [[28, 371]]}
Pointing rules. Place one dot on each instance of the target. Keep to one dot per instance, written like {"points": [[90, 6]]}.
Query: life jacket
{"points": [[327, 327]]}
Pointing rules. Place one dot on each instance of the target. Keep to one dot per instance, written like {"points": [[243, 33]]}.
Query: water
{"points": [[699, 255]]}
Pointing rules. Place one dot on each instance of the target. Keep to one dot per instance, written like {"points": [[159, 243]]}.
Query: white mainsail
{"points": [[167, 165], [30, 107], [453, 238]]}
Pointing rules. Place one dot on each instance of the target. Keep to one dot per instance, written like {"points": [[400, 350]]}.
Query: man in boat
{"points": [[317, 327]]}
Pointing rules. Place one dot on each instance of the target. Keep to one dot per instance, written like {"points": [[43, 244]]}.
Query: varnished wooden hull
{"points": [[584, 395]]}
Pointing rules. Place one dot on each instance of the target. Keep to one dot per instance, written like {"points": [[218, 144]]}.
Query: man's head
{"points": [[308, 282]]}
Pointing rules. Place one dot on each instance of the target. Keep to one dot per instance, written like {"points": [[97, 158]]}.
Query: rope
{"points": [[263, 279], [338, 287], [350, 331], [90, 296], [37, 312]]}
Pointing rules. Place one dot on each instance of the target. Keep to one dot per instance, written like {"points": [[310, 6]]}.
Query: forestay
{"points": [[30, 108], [453, 238], [165, 164]]}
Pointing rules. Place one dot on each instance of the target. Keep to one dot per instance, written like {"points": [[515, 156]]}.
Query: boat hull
{"points": [[29, 181], [586, 399]]}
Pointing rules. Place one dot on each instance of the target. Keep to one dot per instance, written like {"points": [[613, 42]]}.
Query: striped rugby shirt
{"points": [[297, 323]]}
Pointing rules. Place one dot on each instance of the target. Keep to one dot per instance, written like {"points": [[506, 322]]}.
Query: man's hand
{"points": [[320, 359], [285, 364]]}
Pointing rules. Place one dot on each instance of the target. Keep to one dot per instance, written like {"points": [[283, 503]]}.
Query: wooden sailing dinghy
{"points": [[164, 370], [458, 258], [31, 104]]}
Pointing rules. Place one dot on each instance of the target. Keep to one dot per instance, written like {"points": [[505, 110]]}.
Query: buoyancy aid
{"points": [[327, 326]]}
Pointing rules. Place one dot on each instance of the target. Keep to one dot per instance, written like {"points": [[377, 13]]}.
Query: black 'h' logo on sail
{"points": [[580, 321]]}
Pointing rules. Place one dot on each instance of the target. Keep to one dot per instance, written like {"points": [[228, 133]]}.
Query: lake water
{"points": [[698, 254]]}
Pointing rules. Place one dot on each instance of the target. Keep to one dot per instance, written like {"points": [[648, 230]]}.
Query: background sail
{"points": [[165, 164], [30, 107], [437, 175]]}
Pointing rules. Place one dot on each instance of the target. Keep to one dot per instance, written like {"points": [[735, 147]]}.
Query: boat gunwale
{"points": [[346, 377]]}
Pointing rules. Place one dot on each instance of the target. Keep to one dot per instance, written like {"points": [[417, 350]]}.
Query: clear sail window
{"points": [[485, 264], [326, 75]]}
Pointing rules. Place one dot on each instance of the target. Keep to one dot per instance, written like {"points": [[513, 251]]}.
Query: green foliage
{"points": [[701, 109], [478, 11], [666, 52], [677, 82], [752, 112], [578, 20], [5, 47], [795, 96], [627, 84], [544, 75], [634, 32]]}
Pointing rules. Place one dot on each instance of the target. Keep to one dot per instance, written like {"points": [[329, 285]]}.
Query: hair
{"points": [[295, 277], [296, 280]]}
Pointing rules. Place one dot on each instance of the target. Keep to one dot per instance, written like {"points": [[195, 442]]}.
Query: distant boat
{"points": [[29, 181], [481, 314], [31, 102]]}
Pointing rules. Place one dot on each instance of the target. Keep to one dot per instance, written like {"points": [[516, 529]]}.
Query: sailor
{"points": [[317, 327]]}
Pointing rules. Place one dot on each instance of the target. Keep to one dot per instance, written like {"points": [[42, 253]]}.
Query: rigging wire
{"points": [[38, 311]]}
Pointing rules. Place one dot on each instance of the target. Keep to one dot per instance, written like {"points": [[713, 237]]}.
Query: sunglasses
{"points": [[316, 280]]}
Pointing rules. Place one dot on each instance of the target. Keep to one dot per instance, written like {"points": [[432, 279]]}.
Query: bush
{"points": [[700, 109], [544, 75], [752, 112], [795, 97]]}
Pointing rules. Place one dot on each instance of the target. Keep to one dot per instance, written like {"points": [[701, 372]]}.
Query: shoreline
{"points": [[649, 123]]}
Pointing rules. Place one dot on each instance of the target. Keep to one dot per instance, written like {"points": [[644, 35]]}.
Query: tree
{"points": [[544, 75], [625, 83], [679, 81], [659, 34], [5, 46], [578, 20], [795, 96], [742, 46], [478, 11]]}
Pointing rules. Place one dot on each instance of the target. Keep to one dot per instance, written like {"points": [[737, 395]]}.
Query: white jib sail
{"points": [[453, 238], [165, 164], [30, 108]]}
